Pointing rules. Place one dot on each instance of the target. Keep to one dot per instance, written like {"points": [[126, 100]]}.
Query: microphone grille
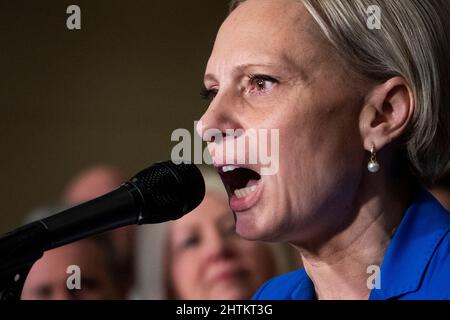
{"points": [[169, 190]]}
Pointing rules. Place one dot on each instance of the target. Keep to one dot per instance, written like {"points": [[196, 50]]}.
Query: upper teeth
{"points": [[229, 168]]}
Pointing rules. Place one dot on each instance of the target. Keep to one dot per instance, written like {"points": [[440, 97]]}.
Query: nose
{"points": [[220, 117], [218, 247]]}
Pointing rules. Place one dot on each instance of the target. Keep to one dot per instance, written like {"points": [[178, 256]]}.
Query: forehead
{"points": [[264, 29], [80, 252]]}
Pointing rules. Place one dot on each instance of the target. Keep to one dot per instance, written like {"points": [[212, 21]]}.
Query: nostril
{"points": [[213, 135], [217, 137]]}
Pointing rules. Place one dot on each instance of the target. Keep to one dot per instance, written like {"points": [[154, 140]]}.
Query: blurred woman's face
{"points": [[209, 261], [271, 69]]}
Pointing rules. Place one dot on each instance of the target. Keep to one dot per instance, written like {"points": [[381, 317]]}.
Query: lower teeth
{"points": [[242, 193]]}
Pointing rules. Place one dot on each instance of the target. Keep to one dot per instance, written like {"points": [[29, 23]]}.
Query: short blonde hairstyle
{"points": [[413, 43]]}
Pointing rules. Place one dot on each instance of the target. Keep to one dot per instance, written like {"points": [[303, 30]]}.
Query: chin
{"points": [[254, 226]]}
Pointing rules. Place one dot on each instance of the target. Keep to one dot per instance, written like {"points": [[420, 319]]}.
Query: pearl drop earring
{"points": [[373, 165]]}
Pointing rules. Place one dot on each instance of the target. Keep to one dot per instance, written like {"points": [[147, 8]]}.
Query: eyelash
{"points": [[254, 79], [190, 242], [210, 94]]}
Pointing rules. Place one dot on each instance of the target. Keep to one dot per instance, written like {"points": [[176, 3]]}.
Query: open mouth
{"points": [[239, 182]]}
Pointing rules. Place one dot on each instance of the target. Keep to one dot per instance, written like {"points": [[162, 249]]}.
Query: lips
{"points": [[227, 276], [243, 185]]}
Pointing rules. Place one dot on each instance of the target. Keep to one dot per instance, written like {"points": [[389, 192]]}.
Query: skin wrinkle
{"points": [[340, 258], [340, 254]]}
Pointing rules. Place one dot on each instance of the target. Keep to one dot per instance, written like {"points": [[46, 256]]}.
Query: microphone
{"points": [[165, 191]]}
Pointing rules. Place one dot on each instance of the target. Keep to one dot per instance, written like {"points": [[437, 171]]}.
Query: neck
{"points": [[340, 267]]}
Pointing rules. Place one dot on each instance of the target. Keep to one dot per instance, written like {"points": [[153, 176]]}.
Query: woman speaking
{"points": [[359, 91]]}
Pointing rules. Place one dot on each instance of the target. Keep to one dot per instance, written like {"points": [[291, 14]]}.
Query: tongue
{"points": [[252, 183]]}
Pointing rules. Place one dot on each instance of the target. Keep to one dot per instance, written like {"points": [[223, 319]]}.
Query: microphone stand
{"points": [[19, 250]]}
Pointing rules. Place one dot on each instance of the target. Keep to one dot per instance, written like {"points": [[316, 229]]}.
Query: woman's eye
{"points": [[190, 242], [208, 94], [261, 83]]}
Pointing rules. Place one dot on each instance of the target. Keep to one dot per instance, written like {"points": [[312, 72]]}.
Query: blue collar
{"points": [[305, 289], [423, 227]]}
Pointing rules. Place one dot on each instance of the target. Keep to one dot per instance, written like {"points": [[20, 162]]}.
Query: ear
{"points": [[387, 111]]}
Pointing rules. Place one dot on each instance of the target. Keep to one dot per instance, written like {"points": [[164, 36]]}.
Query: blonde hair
{"points": [[414, 43]]}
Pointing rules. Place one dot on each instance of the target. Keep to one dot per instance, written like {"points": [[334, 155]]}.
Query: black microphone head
{"points": [[168, 191]]}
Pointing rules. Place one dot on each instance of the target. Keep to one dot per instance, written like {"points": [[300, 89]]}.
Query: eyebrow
{"points": [[211, 77], [287, 64]]}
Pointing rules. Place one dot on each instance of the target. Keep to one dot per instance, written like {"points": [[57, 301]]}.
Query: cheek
{"points": [[320, 132], [320, 148]]}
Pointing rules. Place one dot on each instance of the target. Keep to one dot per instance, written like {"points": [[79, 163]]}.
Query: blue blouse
{"points": [[416, 264]]}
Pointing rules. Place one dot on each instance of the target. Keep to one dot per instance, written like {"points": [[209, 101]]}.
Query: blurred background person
{"points": [[92, 183], [48, 278], [89, 184], [196, 257], [205, 259], [441, 189]]}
